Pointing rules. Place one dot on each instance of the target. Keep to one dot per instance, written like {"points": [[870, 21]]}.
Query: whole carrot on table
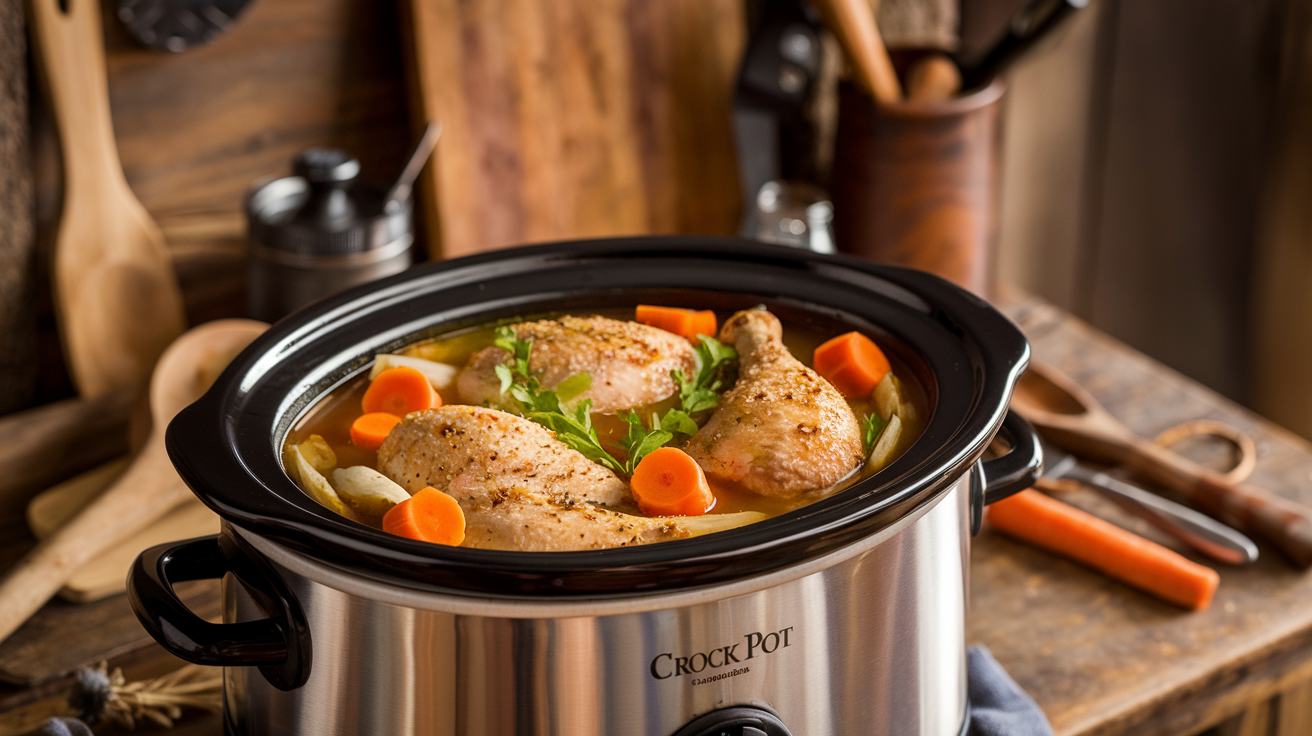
{"points": [[1045, 522]]}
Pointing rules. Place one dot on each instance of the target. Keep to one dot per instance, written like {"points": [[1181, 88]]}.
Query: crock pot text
{"points": [[666, 665]]}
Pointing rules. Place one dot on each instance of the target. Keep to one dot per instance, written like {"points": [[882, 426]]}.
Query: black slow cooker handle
{"points": [[278, 645], [1008, 474], [1020, 467]]}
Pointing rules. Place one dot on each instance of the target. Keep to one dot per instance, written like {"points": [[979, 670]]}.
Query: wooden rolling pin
{"points": [[149, 488], [1069, 416]]}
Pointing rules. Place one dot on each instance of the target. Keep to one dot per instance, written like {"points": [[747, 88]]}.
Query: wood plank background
{"points": [[1136, 166], [563, 119], [577, 119]]}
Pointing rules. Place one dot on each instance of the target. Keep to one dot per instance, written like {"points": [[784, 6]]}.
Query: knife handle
{"points": [[1284, 523]]}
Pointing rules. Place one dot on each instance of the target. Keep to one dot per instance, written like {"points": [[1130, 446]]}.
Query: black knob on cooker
{"points": [[739, 720]]}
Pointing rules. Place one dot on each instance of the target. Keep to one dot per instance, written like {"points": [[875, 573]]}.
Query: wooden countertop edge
{"points": [[1211, 699]]}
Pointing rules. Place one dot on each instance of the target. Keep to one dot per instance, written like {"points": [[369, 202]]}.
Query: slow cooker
{"points": [[844, 617]]}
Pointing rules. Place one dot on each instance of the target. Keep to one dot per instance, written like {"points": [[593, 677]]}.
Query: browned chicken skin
{"points": [[520, 487], [782, 430], [454, 448], [630, 363], [521, 520]]}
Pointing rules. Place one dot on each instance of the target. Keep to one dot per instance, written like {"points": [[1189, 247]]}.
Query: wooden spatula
{"points": [[148, 490], [107, 574], [117, 295], [1070, 417]]}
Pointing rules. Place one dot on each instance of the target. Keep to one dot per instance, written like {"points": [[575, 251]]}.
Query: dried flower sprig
{"points": [[99, 693]]}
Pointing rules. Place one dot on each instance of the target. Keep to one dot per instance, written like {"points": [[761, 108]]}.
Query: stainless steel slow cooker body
{"points": [[844, 617]]}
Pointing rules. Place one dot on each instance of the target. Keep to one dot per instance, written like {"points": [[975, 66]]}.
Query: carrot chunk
{"points": [[683, 322], [428, 516], [369, 431], [1045, 522], [668, 482], [703, 323], [400, 391], [852, 362]]}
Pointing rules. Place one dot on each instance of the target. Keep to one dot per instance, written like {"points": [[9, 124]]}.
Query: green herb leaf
{"points": [[506, 375], [702, 391], [874, 424], [573, 386], [543, 406], [641, 441], [678, 422], [574, 428], [712, 354]]}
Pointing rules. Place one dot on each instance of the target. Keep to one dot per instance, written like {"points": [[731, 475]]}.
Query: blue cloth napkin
{"points": [[998, 707], [63, 727]]}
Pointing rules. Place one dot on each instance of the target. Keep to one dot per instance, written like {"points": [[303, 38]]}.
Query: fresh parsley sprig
{"points": [[543, 406], [697, 393], [702, 390]]}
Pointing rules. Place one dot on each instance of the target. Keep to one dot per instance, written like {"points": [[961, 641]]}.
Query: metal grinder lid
{"points": [[323, 210]]}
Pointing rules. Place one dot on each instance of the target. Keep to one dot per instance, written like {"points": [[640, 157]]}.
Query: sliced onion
{"points": [[710, 523], [883, 452], [368, 492], [888, 396], [313, 483], [440, 375], [318, 453]]}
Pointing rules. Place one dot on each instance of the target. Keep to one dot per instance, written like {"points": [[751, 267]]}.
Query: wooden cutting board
{"points": [[107, 574], [575, 118]]}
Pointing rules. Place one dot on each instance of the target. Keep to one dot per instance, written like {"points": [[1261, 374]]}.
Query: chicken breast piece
{"points": [[526, 521], [629, 363], [455, 447], [782, 430]]}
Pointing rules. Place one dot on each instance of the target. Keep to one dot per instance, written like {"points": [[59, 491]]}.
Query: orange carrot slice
{"points": [[428, 516], [369, 431], [852, 362], [703, 323], [1045, 522], [400, 391], [668, 482], [684, 322]]}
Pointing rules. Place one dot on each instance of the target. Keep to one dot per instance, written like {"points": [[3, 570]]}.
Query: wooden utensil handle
{"points": [[149, 489], [72, 53], [1284, 523], [933, 79], [854, 23]]}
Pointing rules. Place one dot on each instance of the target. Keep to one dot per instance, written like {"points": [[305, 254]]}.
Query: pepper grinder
{"points": [[321, 231]]}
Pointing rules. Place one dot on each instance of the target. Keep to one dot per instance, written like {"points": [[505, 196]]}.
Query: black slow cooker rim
{"points": [[226, 445]]}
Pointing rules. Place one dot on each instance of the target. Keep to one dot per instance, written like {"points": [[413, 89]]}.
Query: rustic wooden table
{"points": [[1100, 658]]}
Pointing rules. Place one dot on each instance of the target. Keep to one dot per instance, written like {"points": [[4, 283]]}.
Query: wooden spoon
{"points": [[149, 488], [933, 78], [1070, 417], [853, 21], [117, 295]]}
